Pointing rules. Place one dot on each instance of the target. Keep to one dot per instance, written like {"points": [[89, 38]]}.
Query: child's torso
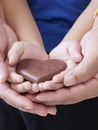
{"points": [[55, 18]]}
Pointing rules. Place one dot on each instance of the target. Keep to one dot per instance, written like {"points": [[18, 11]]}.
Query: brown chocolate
{"points": [[37, 71]]}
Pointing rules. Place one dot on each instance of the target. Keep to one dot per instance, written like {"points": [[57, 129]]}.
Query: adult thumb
{"points": [[84, 71]]}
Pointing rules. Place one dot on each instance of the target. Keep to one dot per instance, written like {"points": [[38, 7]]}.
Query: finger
{"points": [[83, 71], [22, 87], [21, 102], [13, 77], [59, 78], [51, 109], [33, 52], [15, 53], [35, 88], [50, 85], [3, 71], [70, 95], [50, 97], [75, 52]]}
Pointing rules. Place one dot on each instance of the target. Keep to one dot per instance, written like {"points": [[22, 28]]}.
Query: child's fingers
{"points": [[15, 53], [50, 85], [22, 87], [13, 77], [59, 77], [74, 51], [35, 89]]}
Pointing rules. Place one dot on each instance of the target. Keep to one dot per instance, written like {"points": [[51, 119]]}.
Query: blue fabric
{"points": [[55, 18]]}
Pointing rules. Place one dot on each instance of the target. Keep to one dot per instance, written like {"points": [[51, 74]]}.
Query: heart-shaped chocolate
{"points": [[37, 71]]}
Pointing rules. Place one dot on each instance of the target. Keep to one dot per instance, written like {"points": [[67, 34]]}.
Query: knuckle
{"points": [[79, 75]]}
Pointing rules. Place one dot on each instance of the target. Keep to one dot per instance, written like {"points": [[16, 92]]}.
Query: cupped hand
{"points": [[88, 67], [70, 53], [19, 51], [21, 102], [70, 95], [15, 99]]}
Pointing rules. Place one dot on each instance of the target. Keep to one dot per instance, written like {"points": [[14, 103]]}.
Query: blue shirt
{"points": [[55, 17]]}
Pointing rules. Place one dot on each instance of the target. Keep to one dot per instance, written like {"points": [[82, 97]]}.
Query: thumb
{"points": [[15, 53], [82, 72], [74, 51]]}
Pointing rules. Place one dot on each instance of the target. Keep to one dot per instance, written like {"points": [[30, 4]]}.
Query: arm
{"points": [[1, 12], [69, 45], [83, 24], [19, 17], [69, 49], [96, 22]]}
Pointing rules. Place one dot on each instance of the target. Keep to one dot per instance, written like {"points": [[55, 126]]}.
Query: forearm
{"points": [[19, 17], [96, 22], [83, 24], [2, 19]]}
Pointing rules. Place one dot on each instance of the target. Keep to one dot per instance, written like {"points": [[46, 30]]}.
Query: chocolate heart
{"points": [[37, 71]]}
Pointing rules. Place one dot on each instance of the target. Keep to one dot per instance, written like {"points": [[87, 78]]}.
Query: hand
{"points": [[22, 50], [7, 37], [69, 52], [21, 102], [19, 51], [10, 96], [70, 95], [88, 67]]}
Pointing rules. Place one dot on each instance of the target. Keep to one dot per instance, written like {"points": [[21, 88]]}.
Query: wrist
{"points": [[96, 22], [68, 41]]}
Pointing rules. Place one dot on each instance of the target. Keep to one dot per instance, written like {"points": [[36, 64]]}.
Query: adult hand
{"points": [[70, 95], [15, 99], [88, 67], [19, 51], [7, 37], [21, 102]]}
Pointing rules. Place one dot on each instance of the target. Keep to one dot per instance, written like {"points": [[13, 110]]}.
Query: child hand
{"points": [[89, 65], [69, 52], [22, 50]]}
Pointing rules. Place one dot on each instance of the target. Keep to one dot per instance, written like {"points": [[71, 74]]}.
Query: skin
{"points": [[26, 31], [82, 88], [10, 96], [60, 79], [19, 51]]}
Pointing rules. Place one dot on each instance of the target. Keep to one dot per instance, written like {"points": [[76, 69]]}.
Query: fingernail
{"points": [[55, 79], [27, 87], [39, 98], [69, 80], [52, 111], [19, 79], [42, 113]]}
